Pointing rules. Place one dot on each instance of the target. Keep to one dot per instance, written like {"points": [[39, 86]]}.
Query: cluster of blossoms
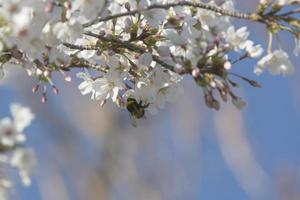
{"points": [[142, 49], [13, 154]]}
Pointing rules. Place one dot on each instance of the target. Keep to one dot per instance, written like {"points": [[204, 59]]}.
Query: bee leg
{"points": [[146, 105]]}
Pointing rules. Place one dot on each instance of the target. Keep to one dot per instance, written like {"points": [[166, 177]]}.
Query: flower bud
{"points": [[44, 98], [55, 90], [67, 5], [39, 72], [49, 7], [196, 72], [102, 103], [102, 33], [46, 73], [238, 102], [227, 65], [35, 88], [127, 6], [67, 78]]}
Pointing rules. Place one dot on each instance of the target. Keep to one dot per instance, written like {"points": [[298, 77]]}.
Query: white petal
{"points": [[22, 116], [115, 94], [297, 47], [145, 59], [1, 72]]}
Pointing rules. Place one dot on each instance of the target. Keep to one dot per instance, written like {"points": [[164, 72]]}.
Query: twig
{"points": [[131, 47], [167, 6]]}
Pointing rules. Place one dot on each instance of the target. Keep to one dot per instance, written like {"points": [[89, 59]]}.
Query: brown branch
{"points": [[131, 47], [167, 6], [297, 11], [80, 47]]}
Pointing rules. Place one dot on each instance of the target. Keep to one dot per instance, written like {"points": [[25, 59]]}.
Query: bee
{"points": [[136, 109]]}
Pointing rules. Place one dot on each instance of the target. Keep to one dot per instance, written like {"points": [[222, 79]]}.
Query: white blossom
{"points": [[164, 95], [9, 136], [276, 63], [88, 8], [155, 17], [254, 51], [13, 155], [286, 2], [237, 39], [297, 47], [11, 131], [164, 51], [5, 186], [1, 72], [67, 31], [25, 161], [145, 59], [91, 86], [22, 116], [101, 88], [176, 38], [161, 87]]}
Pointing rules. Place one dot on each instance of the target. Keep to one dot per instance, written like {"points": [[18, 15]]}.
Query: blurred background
{"points": [[187, 151]]}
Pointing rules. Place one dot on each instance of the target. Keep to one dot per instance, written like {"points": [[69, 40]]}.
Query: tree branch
{"points": [[131, 47], [80, 47], [167, 6]]}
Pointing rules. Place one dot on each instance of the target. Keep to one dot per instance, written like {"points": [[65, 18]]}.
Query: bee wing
{"points": [[133, 121]]}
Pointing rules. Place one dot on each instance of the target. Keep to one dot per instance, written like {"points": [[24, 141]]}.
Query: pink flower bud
{"points": [[67, 5], [49, 7], [227, 65], [46, 73], [68, 78], [68, 14], [55, 89], [44, 98], [196, 72], [35, 88], [102, 103]]}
